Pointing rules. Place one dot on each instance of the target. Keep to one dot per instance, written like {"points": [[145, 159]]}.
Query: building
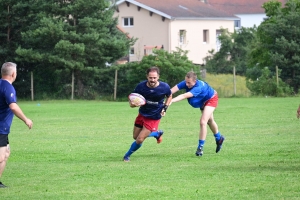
{"points": [[192, 25], [250, 12]]}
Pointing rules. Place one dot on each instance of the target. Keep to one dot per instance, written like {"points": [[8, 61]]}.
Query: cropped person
{"points": [[298, 112], [146, 123], [200, 95], [8, 108]]}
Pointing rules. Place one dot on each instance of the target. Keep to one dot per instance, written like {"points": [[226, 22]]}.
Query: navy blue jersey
{"points": [[201, 93], [154, 98], [7, 96]]}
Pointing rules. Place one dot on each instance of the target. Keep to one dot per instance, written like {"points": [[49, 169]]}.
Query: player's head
{"points": [[190, 79], [152, 76], [9, 69]]}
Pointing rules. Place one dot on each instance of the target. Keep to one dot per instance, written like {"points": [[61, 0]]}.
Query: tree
{"points": [[278, 41], [233, 52], [173, 67], [77, 37], [18, 16]]}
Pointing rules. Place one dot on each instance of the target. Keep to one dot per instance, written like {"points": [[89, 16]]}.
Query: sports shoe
{"points": [[2, 185], [159, 137], [126, 158], [219, 143], [199, 152]]}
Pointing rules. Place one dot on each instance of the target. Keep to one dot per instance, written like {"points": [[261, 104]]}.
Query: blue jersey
{"points": [[201, 93], [154, 98], [7, 96]]}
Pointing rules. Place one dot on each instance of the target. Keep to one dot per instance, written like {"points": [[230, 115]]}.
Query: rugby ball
{"points": [[137, 99]]}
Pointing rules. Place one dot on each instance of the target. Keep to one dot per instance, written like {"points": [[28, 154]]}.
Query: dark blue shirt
{"points": [[154, 98], [7, 96], [201, 93]]}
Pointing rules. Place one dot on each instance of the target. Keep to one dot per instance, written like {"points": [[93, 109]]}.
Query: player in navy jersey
{"points": [[8, 108], [146, 123], [200, 95]]}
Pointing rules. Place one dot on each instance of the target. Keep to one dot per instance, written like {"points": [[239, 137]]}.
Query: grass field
{"points": [[75, 151], [223, 83]]}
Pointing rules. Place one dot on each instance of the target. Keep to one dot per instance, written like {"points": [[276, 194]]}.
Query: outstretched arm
{"points": [[182, 96], [174, 89]]}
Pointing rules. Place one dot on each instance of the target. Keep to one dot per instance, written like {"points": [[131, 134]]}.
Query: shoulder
{"points": [[164, 84], [5, 84], [141, 84]]}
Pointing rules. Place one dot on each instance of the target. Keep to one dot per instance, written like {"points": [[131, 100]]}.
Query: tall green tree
{"points": [[233, 52], [77, 37], [173, 67], [278, 41], [17, 16]]}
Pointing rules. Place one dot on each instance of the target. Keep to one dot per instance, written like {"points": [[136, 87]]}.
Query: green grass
{"points": [[223, 84], [75, 150]]}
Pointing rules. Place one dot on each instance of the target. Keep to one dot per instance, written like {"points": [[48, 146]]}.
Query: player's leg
{"points": [[134, 146], [158, 135], [206, 114], [152, 124], [218, 137], [137, 128], [4, 154]]}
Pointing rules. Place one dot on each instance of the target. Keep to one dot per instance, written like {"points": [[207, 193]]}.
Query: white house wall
{"points": [[249, 20], [194, 36], [150, 30]]}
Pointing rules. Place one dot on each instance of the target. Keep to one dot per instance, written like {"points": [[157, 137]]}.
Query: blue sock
{"points": [[153, 134], [217, 136], [201, 143], [134, 146]]}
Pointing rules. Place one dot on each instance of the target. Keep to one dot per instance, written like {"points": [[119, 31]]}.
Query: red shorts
{"points": [[212, 102], [148, 123]]}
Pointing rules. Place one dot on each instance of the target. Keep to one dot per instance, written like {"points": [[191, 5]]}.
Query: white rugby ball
{"points": [[137, 99]]}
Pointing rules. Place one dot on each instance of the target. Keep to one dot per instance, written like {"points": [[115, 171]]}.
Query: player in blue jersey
{"points": [[200, 95], [146, 123], [8, 108]]}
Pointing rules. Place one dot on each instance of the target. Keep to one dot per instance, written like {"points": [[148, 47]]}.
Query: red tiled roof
{"points": [[240, 6], [185, 8], [123, 31]]}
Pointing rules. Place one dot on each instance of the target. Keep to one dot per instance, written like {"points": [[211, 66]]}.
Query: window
{"points": [[127, 21], [205, 36], [182, 36], [131, 52], [237, 23], [218, 42]]}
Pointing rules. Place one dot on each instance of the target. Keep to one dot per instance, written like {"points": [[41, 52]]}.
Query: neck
{"points": [[7, 79]]}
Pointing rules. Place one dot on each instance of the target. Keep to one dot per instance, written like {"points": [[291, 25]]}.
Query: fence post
{"points": [[277, 75], [72, 95], [115, 87], [234, 81], [32, 92]]}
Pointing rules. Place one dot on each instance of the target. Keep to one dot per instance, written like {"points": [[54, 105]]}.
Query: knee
{"points": [[203, 123], [139, 140], [4, 157]]}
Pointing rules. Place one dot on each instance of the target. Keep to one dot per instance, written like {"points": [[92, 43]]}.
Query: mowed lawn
{"points": [[75, 150]]}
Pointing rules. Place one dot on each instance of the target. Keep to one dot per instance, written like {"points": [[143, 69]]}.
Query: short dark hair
{"points": [[192, 75], [153, 69]]}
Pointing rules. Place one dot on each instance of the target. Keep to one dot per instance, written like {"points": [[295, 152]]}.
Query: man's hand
{"points": [[133, 104], [29, 123]]}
